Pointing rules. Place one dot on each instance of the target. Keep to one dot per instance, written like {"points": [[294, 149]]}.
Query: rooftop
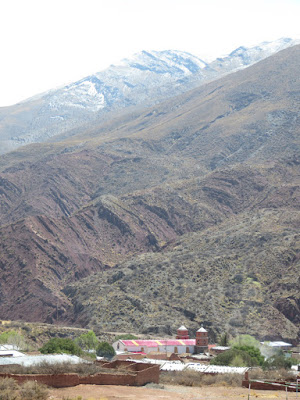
{"points": [[162, 342], [182, 328], [201, 329], [276, 344], [11, 353], [28, 361]]}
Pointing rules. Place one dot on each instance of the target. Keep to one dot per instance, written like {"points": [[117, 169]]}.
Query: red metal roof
{"points": [[159, 342]]}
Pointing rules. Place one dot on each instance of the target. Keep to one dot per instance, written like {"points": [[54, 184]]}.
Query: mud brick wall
{"points": [[138, 374], [174, 357], [108, 379], [57, 381], [267, 386], [151, 374], [127, 356], [117, 364], [145, 373]]}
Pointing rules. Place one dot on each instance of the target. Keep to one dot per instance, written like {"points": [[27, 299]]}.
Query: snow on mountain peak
{"points": [[142, 79], [165, 62], [245, 56]]}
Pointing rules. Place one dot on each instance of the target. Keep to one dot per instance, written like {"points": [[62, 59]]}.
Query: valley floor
{"points": [[94, 392]]}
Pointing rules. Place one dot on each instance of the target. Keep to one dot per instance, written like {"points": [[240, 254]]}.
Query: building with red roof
{"points": [[182, 344]]}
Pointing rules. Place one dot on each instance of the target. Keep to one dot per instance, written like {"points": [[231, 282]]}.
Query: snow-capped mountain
{"points": [[129, 83], [243, 56], [142, 80]]}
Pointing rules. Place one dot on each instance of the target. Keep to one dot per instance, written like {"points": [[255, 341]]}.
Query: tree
{"points": [[104, 349], [13, 338], [61, 345], [279, 360], [247, 356], [256, 357], [238, 361], [224, 339], [245, 340], [87, 341]]}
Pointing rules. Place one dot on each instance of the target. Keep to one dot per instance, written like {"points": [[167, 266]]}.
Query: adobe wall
{"points": [[138, 374], [267, 386], [57, 381], [174, 357], [108, 379], [128, 356], [151, 374], [117, 364]]}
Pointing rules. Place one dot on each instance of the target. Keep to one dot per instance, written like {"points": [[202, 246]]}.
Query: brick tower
{"points": [[201, 341], [182, 333]]}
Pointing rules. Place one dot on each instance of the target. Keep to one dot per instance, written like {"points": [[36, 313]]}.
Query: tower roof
{"points": [[201, 329], [182, 328]]}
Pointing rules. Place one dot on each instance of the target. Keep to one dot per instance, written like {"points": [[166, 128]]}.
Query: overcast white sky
{"points": [[46, 43]]}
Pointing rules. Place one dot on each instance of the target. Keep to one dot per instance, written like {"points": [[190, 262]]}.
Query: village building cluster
{"points": [[141, 362]]}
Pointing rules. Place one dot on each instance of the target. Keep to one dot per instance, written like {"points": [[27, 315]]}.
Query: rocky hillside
{"points": [[186, 212], [243, 281]]}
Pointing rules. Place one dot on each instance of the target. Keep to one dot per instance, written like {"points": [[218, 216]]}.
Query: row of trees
{"points": [[246, 351], [87, 343]]}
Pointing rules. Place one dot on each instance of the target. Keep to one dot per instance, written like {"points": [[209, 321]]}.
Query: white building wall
{"points": [[180, 349], [133, 348]]}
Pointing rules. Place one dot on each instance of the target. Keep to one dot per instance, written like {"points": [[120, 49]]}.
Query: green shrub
{"points": [[104, 349], [61, 345]]}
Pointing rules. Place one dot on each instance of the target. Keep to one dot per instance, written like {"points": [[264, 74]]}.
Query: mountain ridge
{"points": [[142, 81]]}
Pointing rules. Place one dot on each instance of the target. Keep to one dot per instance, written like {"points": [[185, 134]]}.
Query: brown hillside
{"points": [[204, 182]]}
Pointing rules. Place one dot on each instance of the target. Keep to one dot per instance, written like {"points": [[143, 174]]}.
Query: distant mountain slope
{"points": [[202, 190], [143, 80], [251, 116]]}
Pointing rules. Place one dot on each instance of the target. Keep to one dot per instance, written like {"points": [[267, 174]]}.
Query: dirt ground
{"points": [[95, 392]]}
